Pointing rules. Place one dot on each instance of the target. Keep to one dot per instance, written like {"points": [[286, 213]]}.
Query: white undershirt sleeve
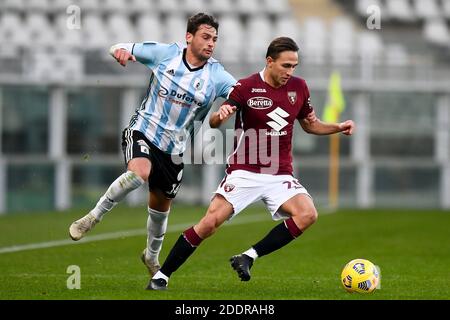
{"points": [[126, 46]]}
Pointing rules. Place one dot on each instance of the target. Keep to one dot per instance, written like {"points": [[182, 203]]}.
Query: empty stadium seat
{"points": [[168, 6], [120, 29], [426, 9], [194, 6], [94, 33], [436, 31], [231, 39], [363, 5], [287, 27], [396, 55], [41, 32], [248, 7], [279, 7], [37, 5], [67, 37], [315, 38], [61, 5], [88, 5], [258, 36], [446, 8], [13, 5], [13, 35], [370, 46], [148, 28], [220, 6], [175, 28], [119, 6], [55, 67], [342, 40], [400, 10]]}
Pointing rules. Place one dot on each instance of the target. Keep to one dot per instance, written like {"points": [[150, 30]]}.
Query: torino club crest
{"points": [[228, 187], [292, 95]]}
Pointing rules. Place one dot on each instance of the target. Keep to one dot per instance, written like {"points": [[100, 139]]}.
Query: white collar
{"points": [[261, 74]]}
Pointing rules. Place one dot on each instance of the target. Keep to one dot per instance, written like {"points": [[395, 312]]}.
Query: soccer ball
{"points": [[360, 275]]}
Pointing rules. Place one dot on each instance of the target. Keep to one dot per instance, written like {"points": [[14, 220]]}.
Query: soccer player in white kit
{"points": [[185, 81], [267, 105]]}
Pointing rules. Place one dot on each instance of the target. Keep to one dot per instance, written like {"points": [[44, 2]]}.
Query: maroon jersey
{"points": [[264, 124]]}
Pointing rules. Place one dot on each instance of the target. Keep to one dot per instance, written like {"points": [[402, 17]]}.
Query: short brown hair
{"points": [[279, 45], [197, 20]]}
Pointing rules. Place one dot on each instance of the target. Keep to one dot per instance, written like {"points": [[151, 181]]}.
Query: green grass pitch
{"points": [[412, 248]]}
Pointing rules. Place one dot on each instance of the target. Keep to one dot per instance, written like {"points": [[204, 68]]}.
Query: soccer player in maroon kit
{"points": [[260, 168]]}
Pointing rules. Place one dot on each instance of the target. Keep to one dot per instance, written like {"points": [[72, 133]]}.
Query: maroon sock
{"points": [[182, 249]]}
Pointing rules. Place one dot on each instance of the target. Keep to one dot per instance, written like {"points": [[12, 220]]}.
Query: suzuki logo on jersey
{"points": [[278, 116], [259, 103]]}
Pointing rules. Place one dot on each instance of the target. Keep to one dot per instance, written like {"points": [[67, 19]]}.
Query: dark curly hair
{"points": [[197, 20]]}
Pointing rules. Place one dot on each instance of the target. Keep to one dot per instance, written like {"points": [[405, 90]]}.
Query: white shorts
{"points": [[242, 188]]}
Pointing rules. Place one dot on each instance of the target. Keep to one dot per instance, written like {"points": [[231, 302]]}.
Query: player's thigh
{"points": [[218, 212], [157, 200], [136, 151], [141, 166], [301, 208]]}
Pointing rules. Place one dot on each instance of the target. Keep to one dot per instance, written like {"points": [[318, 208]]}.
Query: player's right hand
{"points": [[225, 111], [123, 56]]}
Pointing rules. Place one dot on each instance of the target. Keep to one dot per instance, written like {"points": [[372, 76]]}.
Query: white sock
{"points": [[156, 229], [160, 275], [251, 253], [123, 185]]}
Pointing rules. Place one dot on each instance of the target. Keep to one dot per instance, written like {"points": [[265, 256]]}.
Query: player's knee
{"points": [[305, 217], [141, 171], [207, 226], [310, 216], [143, 174]]}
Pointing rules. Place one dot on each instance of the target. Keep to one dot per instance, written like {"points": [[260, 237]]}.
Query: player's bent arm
{"points": [[214, 120], [122, 52], [319, 127], [222, 115], [126, 46]]}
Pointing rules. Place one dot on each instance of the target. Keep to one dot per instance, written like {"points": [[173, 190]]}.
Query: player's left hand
{"points": [[347, 127], [225, 111]]}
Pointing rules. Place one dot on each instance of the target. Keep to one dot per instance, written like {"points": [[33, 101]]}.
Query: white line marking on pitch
{"points": [[117, 235]]}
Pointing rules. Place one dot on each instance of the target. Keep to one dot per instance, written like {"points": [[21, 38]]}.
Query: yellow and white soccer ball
{"points": [[360, 275]]}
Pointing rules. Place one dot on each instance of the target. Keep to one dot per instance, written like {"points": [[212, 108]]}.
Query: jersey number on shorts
{"points": [[293, 184]]}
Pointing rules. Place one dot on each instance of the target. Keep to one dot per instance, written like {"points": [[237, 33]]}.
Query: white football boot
{"points": [[80, 227]]}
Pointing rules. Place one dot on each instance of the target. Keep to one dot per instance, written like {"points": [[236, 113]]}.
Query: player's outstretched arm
{"points": [[222, 115], [312, 124], [121, 53]]}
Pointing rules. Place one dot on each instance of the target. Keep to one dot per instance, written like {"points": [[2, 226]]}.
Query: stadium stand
{"points": [[259, 33], [400, 10], [148, 26], [413, 45], [446, 9], [426, 9], [329, 32]]}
